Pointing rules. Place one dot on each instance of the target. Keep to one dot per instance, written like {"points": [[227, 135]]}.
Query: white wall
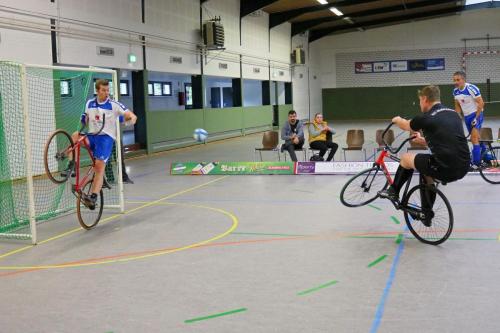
{"points": [[13, 43], [172, 28], [426, 39], [176, 19]]}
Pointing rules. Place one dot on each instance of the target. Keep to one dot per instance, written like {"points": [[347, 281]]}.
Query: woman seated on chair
{"points": [[320, 137]]}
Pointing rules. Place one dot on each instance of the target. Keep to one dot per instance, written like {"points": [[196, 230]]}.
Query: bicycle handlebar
{"points": [[388, 147], [96, 133]]}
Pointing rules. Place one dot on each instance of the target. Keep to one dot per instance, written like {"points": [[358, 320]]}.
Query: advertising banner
{"points": [[232, 168], [338, 168]]}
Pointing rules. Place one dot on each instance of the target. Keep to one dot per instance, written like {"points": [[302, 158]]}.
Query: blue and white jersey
{"points": [[466, 97], [95, 111]]}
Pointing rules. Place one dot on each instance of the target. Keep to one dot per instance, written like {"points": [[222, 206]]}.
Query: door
{"points": [[215, 97], [227, 96]]}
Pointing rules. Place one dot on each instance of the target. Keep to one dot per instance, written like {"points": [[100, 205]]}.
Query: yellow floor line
{"points": [[234, 225], [103, 221]]}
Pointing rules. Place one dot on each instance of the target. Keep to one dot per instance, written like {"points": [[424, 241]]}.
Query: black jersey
{"points": [[444, 133]]}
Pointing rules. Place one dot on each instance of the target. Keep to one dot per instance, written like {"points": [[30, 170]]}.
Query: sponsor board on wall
{"points": [[383, 66], [399, 66], [414, 65], [363, 67]]}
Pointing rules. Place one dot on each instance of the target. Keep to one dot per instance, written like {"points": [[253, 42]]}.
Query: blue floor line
{"points": [[380, 308]]}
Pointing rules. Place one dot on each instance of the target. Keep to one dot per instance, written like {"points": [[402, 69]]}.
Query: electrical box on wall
{"points": [[213, 34], [298, 56]]}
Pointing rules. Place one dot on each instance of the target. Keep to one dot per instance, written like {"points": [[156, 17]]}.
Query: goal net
{"points": [[483, 69], [34, 102]]}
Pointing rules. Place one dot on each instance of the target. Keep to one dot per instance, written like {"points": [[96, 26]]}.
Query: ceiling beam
{"points": [[317, 34], [250, 6], [278, 18], [302, 26]]}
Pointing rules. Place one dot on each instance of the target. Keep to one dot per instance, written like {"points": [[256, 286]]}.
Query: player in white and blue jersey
{"points": [[101, 144], [468, 101]]}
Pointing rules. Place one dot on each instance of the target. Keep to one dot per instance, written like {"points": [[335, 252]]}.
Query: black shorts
{"points": [[426, 164]]}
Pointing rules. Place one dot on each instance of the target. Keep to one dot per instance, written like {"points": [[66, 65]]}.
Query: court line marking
{"points": [[189, 321], [106, 220], [250, 241], [308, 291], [376, 261], [395, 219], [385, 294], [141, 256]]}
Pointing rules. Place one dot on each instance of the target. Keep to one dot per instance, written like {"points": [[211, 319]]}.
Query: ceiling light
{"points": [[336, 11], [323, 2]]}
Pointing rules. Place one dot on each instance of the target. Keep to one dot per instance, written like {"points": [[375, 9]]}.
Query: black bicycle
{"points": [[490, 164], [426, 209]]}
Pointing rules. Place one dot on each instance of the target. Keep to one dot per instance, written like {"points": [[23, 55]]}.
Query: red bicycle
{"points": [[426, 209], [58, 149]]}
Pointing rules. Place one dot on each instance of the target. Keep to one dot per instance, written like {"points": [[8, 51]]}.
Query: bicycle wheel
{"points": [[490, 170], [363, 188], [56, 156], [429, 225], [89, 218]]}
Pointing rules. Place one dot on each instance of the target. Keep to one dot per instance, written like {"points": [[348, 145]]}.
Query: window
{"points": [[159, 89], [66, 88], [167, 89], [189, 95], [124, 88]]}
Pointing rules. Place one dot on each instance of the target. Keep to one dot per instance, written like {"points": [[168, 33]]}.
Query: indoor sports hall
{"points": [[238, 166]]}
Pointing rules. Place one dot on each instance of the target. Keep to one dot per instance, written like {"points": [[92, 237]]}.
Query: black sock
{"points": [[402, 176], [93, 195]]}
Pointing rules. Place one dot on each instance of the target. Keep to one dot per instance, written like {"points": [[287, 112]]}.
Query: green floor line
{"points": [[399, 238], [308, 291], [370, 237], [395, 220], [265, 234], [382, 237], [377, 261], [215, 315], [374, 207]]}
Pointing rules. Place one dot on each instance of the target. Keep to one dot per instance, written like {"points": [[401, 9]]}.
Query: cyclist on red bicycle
{"points": [[443, 134], [101, 145]]}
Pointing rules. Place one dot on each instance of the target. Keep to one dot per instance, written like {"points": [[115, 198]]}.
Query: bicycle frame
{"points": [[389, 152], [77, 151], [79, 185]]}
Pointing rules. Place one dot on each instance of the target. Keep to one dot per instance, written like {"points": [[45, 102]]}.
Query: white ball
{"points": [[200, 135]]}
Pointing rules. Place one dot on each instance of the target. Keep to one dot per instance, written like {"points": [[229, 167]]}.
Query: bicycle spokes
{"points": [[428, 214], [363, 188], [490, 169]]}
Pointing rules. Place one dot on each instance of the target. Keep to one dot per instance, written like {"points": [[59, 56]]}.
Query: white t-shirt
{"points": [[95, 112], [466, 98]]}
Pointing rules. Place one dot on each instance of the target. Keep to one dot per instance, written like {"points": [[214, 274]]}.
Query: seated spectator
{"points": [[320, 137], [293, 135]]}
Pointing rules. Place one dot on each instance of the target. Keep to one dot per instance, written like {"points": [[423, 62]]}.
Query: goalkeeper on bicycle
{"points": [[99, 110]]}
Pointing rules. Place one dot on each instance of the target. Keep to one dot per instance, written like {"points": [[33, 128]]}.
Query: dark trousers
{"points": [[323, 146], [290, 147]]}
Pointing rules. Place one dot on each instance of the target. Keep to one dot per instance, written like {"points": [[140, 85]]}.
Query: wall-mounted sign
{"points": [[105, 51], [363, 67], [383, 66], [414, 65], [399, 66]]}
